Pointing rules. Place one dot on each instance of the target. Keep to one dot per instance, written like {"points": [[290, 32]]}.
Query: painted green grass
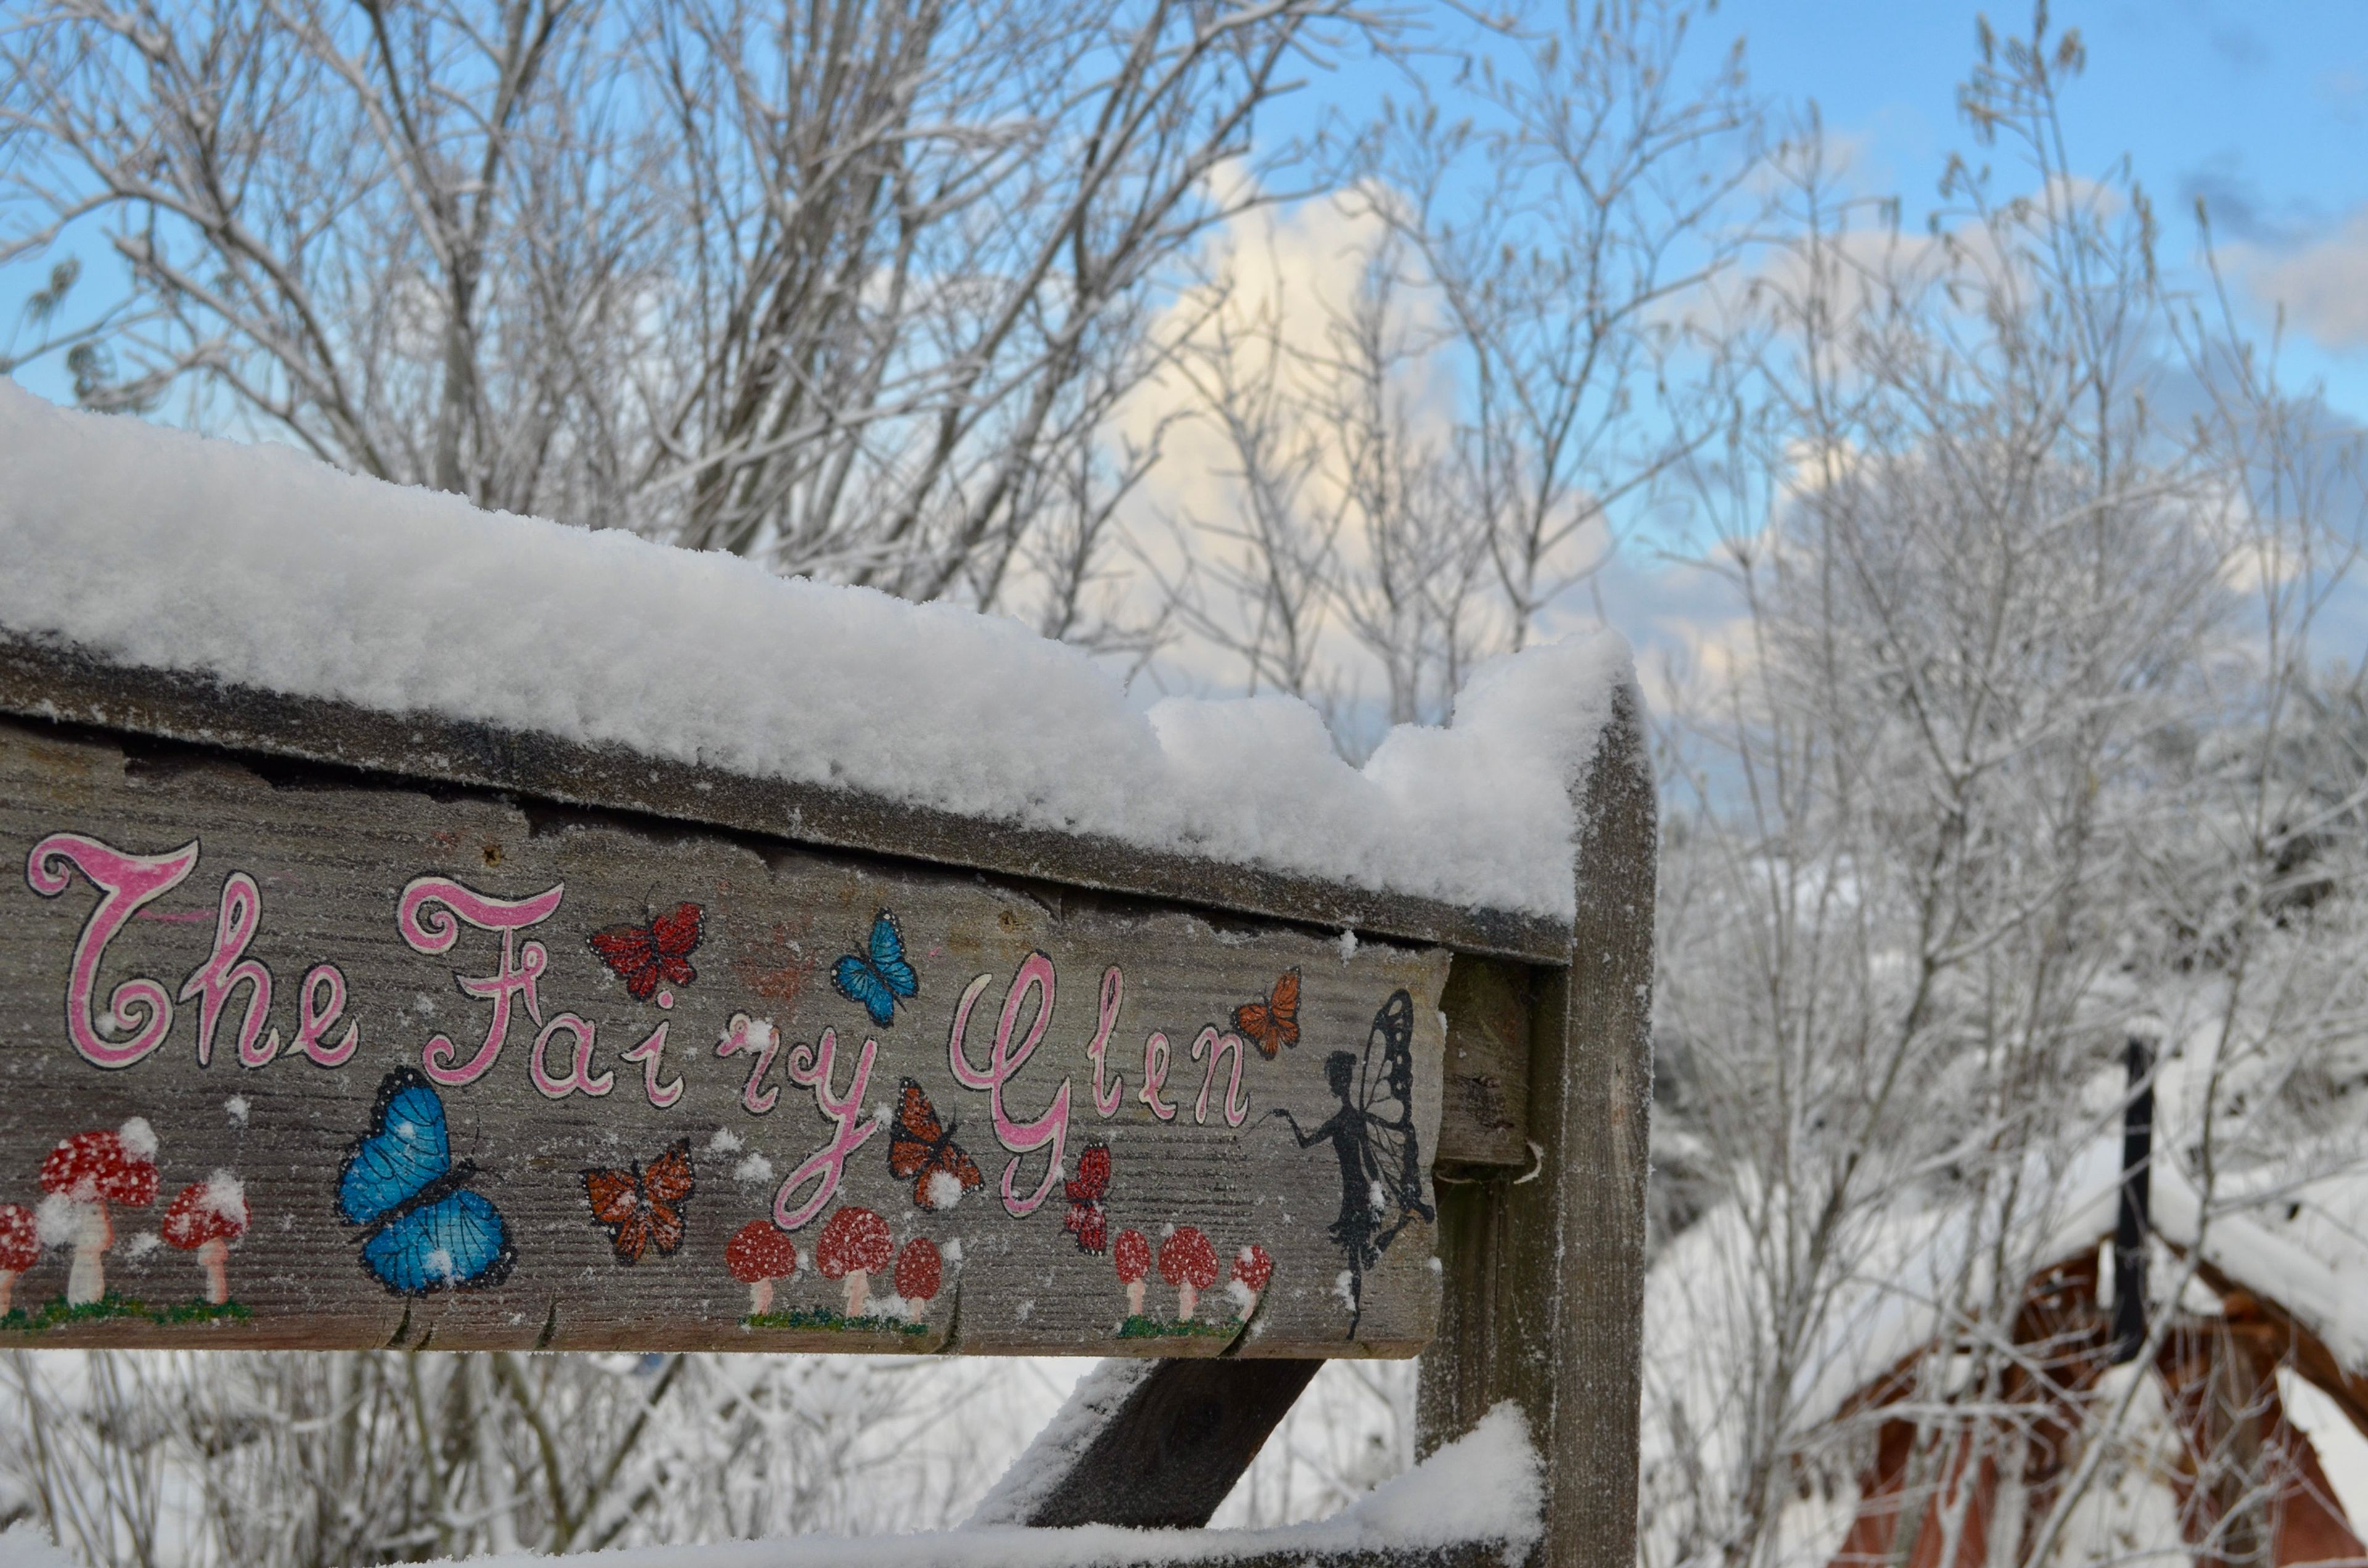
{"points": [[835, 1322], [196, 1310], [1142, 1327], [57, 1313]]}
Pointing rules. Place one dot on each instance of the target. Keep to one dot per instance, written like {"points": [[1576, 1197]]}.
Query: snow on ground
{"points": [[22, 1545], [1484, 1486], [260, 566]]}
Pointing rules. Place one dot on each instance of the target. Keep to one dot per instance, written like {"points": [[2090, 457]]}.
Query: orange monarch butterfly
{"points": [[1274, 1023], [920, 1148], [642, 1206]]}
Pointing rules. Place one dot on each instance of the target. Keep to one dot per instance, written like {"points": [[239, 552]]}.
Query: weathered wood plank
{"points": [[1163, 1455], [454, 933], [41, 681], [1485, 1102], [1545, 1270]]}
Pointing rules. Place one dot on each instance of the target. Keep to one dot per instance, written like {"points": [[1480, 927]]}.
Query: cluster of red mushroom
{"points": [[89, 1176], [855, 1246], [1188, 1260]]}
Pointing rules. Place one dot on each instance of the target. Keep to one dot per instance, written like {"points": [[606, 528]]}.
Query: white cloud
{"points": [[2323, 285]]}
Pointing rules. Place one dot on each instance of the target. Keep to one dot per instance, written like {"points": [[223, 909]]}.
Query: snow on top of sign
{"points": [[260, 566]]}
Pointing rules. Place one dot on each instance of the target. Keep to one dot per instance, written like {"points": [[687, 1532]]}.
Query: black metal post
{"points": [[2137, 1207]]}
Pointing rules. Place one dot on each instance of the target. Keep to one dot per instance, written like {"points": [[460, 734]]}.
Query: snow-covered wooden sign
{"points": [[292, 1062]]}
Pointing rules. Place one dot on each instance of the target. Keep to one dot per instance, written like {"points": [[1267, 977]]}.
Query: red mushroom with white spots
{"points": [[1131, 1255], [920, 1269], [1189, 1262], [854, 1245], [85, 1177], [206, 1217], [1252, 1269], [20, 1247], [758, 1254]]}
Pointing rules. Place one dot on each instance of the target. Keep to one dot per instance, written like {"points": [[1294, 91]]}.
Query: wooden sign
{"points": [[307, 1061]]}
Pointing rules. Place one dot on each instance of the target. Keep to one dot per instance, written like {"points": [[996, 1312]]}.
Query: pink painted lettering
{"points": [[1217, 1045], [1155, 1076], [745, 1033], [316, 1018], [1107, 1097], [651, 1055], [825, 1167], [1019, 1138], [228, 968], [137, 1007], [429, 916], [580, 1078]]}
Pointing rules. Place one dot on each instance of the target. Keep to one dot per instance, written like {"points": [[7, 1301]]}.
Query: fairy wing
{"points": [[1392, 1155]]}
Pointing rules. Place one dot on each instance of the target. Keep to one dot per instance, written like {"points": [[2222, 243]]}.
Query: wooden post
{"points": [[1165, 1454], [1545, 1267]]}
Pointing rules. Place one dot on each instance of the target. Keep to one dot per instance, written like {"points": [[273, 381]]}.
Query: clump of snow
{"points": [[55, 1220], [236, 1108], [754, 1171], [1244, 1298], [725, 1142], [22, 1545], [139, 1139], [226, 1195], [1348, 946], [945, 1191], [258, 566], [143, 1243]]}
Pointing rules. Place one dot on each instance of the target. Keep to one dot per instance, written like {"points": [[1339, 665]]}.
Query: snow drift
{"points": [[260, 566]]}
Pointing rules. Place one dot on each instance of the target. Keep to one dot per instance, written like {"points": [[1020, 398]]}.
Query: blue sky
{"points": [[2262, 110]]}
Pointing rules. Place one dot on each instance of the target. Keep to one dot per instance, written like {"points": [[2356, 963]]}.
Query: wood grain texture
{"points": [[1544, 1299], [42, 681], [1484, 1101], [1172, 1451], [330, 858]]}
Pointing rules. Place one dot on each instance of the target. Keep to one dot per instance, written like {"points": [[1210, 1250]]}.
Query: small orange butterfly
{"points": [[642, 1206], [922, 1148], [1274, 1023]]}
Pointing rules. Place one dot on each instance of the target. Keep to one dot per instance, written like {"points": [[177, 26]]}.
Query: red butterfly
{"points": [[642, 1206], [642, 955], [920, 1148], [1274, 1023], [1086, 1220]]}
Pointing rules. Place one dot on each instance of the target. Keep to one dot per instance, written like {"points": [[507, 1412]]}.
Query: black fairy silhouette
{"points": [[1373, 1134]]}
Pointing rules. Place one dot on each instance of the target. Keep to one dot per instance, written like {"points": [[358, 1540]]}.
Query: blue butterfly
{"points": [[879, 982], [426, 1229]]}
